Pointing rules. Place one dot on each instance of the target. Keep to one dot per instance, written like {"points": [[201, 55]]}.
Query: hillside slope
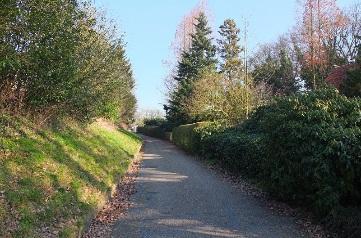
{"points": [[53, 179]]}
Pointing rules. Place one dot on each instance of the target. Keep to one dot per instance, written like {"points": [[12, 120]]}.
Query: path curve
{"points": [[177, 196]]}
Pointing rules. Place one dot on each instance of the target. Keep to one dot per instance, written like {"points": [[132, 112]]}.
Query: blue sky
{"points": [[150, 25]]}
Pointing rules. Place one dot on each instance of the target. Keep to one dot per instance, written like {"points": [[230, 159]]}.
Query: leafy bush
{"points": [[157, 127], [225, 102], [237, 151], [155, 131], [190, 137], [207, 129], [345, 222], [313, 147], [158, 121], [304, 148], [351, 87], [185, 137], [70, 62]]}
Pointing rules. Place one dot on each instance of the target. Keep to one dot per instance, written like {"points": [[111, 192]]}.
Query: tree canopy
{"points": [[61, 57]]}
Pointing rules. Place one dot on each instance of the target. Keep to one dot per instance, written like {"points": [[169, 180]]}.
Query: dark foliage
{"points": [[200, 57], [154, 121], [304, 149], [58, 58], [351, 87]]}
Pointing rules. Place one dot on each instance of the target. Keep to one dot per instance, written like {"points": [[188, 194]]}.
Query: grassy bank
{"points": [[53, 179]]}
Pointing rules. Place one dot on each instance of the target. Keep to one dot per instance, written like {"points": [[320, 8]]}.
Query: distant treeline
{"points": [[216, 79]]}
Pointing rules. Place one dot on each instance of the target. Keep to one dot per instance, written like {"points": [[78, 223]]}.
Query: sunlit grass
{"points": [[56, 177]]}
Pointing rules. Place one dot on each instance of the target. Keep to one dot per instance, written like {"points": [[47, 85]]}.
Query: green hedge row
{"points": [[240, 153], [304, 148], [155, 131], [191, 136], [184, 137]]}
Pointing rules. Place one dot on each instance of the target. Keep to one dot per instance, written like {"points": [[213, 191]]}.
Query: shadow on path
{"points": [[178, 197]]}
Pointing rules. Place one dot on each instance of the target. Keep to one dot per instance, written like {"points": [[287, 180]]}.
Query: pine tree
{"points": [[230, 50], [201, 55], [199, 58], [351, 87], [285, 77]]}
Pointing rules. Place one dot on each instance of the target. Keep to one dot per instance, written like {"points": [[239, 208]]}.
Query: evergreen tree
{"points": [[286, 82], [351, 87], [199, 58], [201, 55], [230, 50]]}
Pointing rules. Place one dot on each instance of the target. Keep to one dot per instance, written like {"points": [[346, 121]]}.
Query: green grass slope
{"points": [[52, 180]]}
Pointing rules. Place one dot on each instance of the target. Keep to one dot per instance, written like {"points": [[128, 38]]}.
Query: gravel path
{"points": [[177, 196]]}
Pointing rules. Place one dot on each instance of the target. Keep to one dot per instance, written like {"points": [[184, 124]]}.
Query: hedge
{"points": [[190, 137], [185, 137], [238, 152], [313, 148], [304, 148], [157, 121], [155, 131]]}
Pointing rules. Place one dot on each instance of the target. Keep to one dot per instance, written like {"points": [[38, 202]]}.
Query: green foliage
{"points": [[155, 131], [205, 130], [199, 58], [190, 137], [345, 222], [202, 53], [58, 58], [239, 152], [351, 87], [215, 98], [184, 137], [313, 146], [62, 173], [305, 148], [273, 65], [229, 49], [157, 127], [154, 121]]}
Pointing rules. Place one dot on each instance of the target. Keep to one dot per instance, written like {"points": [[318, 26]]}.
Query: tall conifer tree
{"points": [[351, 86], [200, 57], [230, 50]]}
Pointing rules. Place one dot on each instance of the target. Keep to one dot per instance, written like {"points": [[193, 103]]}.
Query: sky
{"points": [[149, 27]]}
